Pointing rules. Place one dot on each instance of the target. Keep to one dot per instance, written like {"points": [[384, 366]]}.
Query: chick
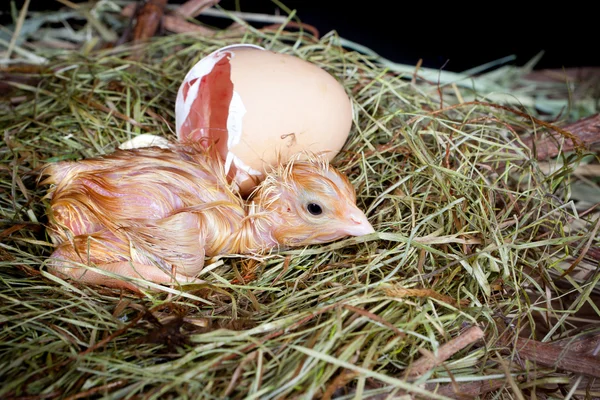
{"points": [[156, 213]]}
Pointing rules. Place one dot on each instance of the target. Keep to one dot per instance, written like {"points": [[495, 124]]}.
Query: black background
{"points": [[452, 35]]}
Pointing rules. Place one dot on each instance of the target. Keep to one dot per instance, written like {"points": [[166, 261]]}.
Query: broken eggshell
{"points": [[145, 140], [259, 108]]}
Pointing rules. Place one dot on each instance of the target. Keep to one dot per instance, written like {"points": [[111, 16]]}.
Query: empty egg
{"points": [[259, 108]]}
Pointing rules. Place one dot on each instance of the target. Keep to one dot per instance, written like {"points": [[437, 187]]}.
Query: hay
{"points": [[471, 232]]}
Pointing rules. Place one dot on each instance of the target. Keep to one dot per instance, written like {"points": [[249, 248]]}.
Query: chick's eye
{"points": [[314, 209]]}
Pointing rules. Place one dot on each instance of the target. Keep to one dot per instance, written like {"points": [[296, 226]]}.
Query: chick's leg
{"points": [[124, 268], [105, 252]]}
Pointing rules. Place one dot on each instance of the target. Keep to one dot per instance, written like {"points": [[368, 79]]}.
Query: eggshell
{"points": [[145, 140], [259, 108]]}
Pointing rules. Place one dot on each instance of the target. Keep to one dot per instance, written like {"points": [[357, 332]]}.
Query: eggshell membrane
{"points": [[280, 106]]}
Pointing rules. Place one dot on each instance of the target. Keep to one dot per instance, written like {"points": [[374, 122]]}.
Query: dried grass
{"points": [[470, 231]]}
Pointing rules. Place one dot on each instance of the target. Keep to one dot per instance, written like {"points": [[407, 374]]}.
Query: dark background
{"points": [[451, 35]]}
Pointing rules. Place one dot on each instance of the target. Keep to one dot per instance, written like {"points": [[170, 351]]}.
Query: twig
{"points": [[466, 390], [556, 356], [400, 292], [455, 390], [193, 8], [148, 19], [446, 351], [179, 25], [584, 343], [563, 74], [11, 230], [587, 130], [339, 382], [172, 23]]}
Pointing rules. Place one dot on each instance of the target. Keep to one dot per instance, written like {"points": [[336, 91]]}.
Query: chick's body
{"points": [[157, 213]]}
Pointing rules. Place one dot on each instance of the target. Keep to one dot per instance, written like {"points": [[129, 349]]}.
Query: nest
{"points": [[481, 279]]}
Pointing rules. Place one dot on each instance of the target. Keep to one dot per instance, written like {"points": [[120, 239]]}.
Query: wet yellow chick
{"points": [[156, 213]]}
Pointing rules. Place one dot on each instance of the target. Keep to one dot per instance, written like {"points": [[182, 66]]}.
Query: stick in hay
{"points": [[193, 8], [554, 355], [466, 390], [400, 292], [172, 23], [148, 19], [587, 130], [446, 351]]}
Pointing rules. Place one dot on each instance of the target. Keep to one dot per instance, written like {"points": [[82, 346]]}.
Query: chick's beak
{"points": [[357, 224]]}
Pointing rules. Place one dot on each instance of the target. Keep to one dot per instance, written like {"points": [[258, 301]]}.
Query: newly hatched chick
{"points": [[156, 213]]}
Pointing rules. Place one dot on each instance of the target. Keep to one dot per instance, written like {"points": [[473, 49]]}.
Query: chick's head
{"points": [[311, 202]]}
